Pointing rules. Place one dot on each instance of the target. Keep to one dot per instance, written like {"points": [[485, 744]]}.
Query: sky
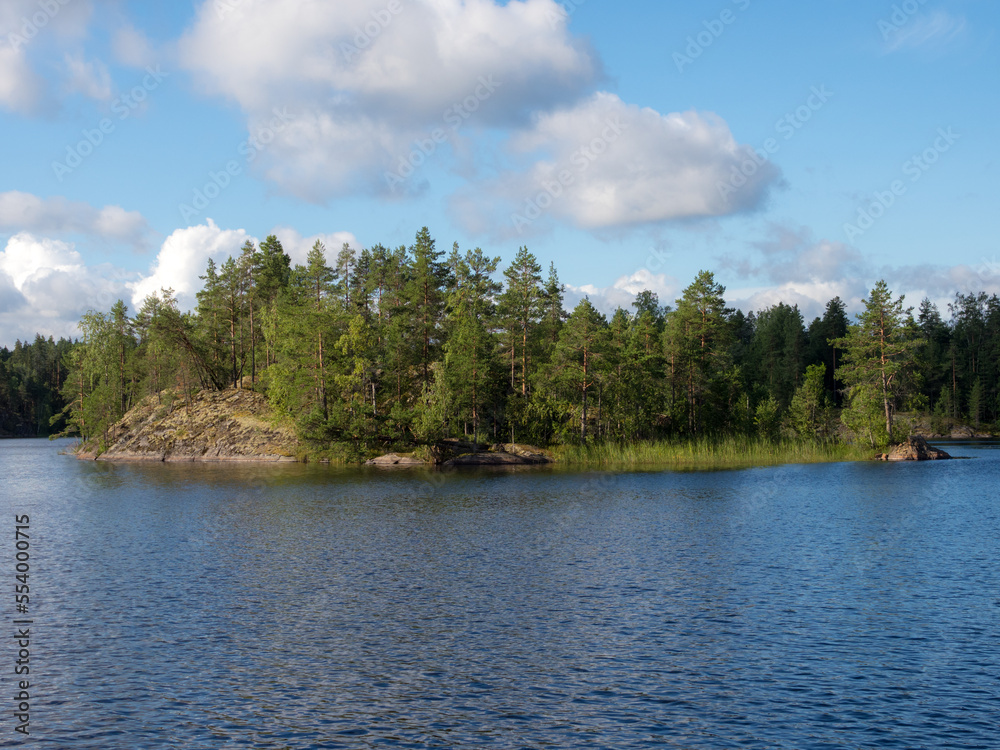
{"points": [[800, 151]]}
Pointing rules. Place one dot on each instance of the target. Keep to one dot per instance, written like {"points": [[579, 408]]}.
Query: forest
{"points": [[389, 347], [31, 380]]}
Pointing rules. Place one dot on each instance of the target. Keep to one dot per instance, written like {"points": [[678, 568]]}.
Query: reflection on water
{"points": [[288, 606]]}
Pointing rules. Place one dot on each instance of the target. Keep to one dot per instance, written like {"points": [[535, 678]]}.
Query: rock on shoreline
{"points": [[454, 453], [914, 449], [231, 425]]}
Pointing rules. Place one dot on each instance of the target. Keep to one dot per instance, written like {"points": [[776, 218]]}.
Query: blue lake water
{"points": [[277, 606]]}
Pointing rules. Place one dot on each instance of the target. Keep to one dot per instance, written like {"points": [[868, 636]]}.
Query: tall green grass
{"points": [[708, 453]]}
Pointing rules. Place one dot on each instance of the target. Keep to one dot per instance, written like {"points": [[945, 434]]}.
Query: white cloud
{"points": [[20, 87], [23, 25], [29, 21], [25, 258], [374, 89], [810, 296], [364, 79], [602, 163], [45, 287], [790, 254], [297, 247], [623, 291], [796, 268], [132, 47], [90, 78], [183, 258], [26, 212], [934, 29], [940, 283]]}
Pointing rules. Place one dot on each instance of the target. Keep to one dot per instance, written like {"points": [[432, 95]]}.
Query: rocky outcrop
{"points": [[502, 454], [488, 458], [914, 449], [396, 459], [931, 427], [529, 452], [963, 432], [231, 425], [456, 453]]}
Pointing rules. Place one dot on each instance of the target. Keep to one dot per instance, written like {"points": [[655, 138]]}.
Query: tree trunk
{"points": [[322, 378], [253, 348], [524, 361], [583, 413]]}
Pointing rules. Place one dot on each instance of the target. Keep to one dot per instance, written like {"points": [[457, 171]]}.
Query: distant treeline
{"points": [[385, 347], [31, 380]]}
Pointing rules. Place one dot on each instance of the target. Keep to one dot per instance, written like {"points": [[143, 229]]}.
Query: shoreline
{"points": [[680, 455]]}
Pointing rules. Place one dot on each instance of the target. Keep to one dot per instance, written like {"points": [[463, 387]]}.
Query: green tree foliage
{"points": [[471, 358], [876, 355], [305, 314], [32, 379], [808, 413], [778, 351], [578, 364], [102, 396], [522, 306], [380, 347], [553, 312], [697, 342], [767, 419], [822, 331], [425, 296]]}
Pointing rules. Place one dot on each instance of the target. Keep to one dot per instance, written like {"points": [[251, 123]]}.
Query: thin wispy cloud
{"points": [[925, 31]]}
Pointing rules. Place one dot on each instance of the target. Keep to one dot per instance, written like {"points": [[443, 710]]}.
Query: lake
{"points": [[290, 606]]}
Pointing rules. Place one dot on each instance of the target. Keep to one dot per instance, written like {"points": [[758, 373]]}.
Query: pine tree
{"points": [[976, 402], [249, 269], [808, 413], [298, 379], [232, 285], [579, 358], [932, 356], [470, 362], [697, 340], [777, 352], [210, 315], [522, 305], [425, 295], [274, 273], [553, 312], [832, 326], [321, 279], [876, 353], [346, 264]]}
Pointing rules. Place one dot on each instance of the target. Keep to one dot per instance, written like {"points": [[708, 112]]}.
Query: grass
{"points": [[706, 453]]}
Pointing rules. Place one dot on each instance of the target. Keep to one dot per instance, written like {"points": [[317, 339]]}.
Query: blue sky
{"points": [[799, 150]]}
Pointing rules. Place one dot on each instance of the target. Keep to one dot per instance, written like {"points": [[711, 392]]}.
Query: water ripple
{"points": [[848, 605]]}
